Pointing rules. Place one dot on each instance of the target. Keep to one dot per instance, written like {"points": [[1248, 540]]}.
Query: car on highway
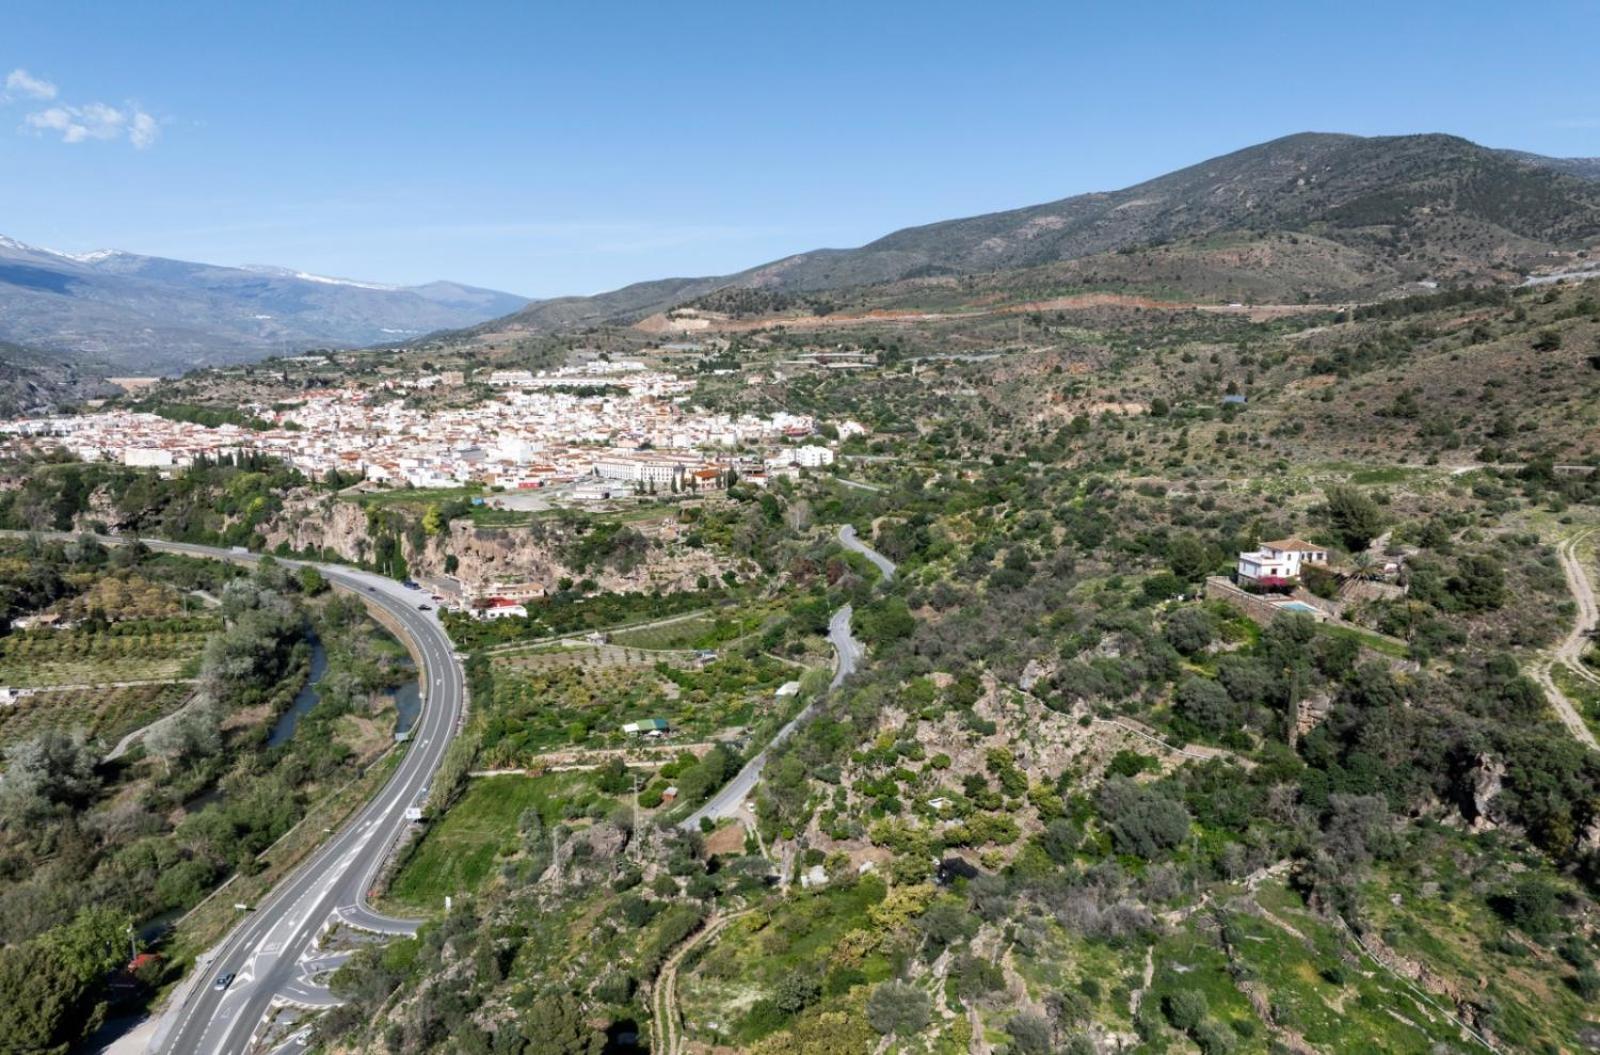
{"points": [[223, 982], [410, 585]]}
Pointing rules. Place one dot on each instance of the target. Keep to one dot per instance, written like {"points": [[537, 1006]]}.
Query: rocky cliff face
{"points": [[321, 523], [487, 555]]}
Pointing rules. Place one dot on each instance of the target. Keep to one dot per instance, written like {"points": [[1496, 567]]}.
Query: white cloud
{"points": [[20, 84], [142, 131], [76, 123], [79, 124]]}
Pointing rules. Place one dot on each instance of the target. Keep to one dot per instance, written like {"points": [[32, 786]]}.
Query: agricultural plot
{"points": [[102, 714], [457, 855], [125, 597], [706, 630], [547, 705], [1436, 915], [142, 650], [1300, 967], [594, 657]]}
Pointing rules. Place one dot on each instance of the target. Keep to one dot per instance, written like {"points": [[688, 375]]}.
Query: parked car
{"points": [[424, 607]]}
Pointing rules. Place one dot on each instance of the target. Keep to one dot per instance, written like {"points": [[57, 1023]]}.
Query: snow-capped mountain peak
{"points": [[93, 257], [306, 276]]}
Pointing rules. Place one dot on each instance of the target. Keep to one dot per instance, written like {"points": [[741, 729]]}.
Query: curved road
{"points": [[847, 653], [265, 951], [848, 539]]}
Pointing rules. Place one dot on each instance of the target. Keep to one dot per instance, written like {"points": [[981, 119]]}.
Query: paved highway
{"points": [[271, 951], [265, 950]]}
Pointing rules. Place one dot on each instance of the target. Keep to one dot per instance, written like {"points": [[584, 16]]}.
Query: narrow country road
{"points": [[1569, 652], [847, 653], [848, 539], [268, 952]]}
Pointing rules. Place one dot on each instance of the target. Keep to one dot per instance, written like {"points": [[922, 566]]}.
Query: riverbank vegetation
{"points": [[137, 833]]}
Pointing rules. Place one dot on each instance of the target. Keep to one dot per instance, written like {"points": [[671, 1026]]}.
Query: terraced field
{"points": [[154, 650], [102, 714]]}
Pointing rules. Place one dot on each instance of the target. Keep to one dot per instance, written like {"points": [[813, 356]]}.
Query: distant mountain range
{"points": [[1337, 216], [1402, 208], [138, 314]]}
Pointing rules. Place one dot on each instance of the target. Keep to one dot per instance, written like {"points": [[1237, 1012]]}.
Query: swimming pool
{"points": [[1297, 606]]}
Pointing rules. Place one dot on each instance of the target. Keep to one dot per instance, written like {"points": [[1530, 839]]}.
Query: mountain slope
{"points": [[1583, 168], [1422, 206], [34, 383], [143, 313]]}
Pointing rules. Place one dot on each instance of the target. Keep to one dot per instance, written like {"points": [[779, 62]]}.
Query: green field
{"points": [[705, 630], [416, 496], [1584, 694], [1367, 639], [457, 854]]}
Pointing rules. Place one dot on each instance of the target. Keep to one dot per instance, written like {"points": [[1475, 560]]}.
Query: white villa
{"points": [[500, 608], [1282, 559]]}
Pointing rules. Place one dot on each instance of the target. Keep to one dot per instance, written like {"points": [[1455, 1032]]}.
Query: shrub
{"points": [[1185, 1009], [1206, 704], [1530, 906], [1142, 822], [1213, 1038], [1190, 630], [898, 1008]]}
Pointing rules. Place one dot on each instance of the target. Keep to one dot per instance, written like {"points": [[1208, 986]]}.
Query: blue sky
{"points": [[549, 149]]}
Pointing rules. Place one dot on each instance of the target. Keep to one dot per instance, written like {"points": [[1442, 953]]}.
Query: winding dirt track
{"points": [[1569, 651], [666, 1028]]}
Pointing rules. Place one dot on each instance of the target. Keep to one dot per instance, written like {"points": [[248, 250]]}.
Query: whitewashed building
{"points": [[1283, 559]]}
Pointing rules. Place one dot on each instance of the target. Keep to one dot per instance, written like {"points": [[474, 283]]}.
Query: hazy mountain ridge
{"points": [[1422, 206], [143, 313], [31, 382]]}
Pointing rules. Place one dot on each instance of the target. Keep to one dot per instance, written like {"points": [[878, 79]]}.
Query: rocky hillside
{"points": [[1410, 208], [31, 383], [478, 555]]}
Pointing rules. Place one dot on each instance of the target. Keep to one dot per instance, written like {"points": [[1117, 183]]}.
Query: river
{"points": [[406, 697]]}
